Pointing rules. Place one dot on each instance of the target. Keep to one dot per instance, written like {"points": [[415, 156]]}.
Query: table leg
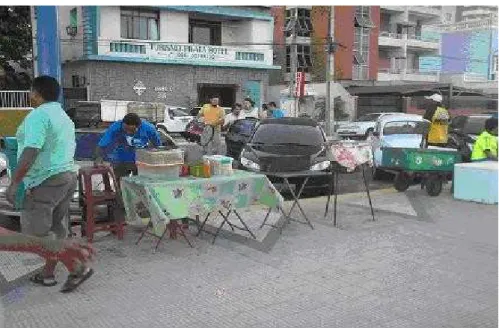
{"points": [[296, 202], [164, 233], [185, 237], [144, 232], [220, 228], [331, 188], [335, 209], [266, 218], [202, 225], [225, 218], [367, 191], [244, 224]]}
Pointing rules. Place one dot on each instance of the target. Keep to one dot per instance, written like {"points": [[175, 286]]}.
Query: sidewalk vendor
{"points": [[485, 147], [439, 118], [121, 140]]}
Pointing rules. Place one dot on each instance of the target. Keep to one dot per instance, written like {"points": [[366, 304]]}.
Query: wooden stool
{"points": [[90, 198]]}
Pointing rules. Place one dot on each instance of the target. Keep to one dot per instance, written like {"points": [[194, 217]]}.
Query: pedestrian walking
{"points": [[275, 112], [250, 110], [46, 148], [214, 117], [236, 114]]}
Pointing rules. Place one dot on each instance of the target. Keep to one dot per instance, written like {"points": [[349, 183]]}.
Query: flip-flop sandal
{"points": [[75, 280], [39, 279]]}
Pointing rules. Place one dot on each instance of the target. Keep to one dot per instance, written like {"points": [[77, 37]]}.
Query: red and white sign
{"points": [[300, 85]]}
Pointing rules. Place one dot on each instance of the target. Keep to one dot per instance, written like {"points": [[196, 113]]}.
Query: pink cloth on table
{"points": [[352, 155]]}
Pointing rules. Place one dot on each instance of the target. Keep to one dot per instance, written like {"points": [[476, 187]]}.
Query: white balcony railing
{"points": [[388, 74], [188, 53], [14, 99], [426, 10], [466, 25]]}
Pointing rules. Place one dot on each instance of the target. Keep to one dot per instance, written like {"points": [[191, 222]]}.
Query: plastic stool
{"points": [[90, 198]]}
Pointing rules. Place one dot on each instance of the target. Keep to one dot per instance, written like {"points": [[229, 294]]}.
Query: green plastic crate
{"points": [[417, 159]]}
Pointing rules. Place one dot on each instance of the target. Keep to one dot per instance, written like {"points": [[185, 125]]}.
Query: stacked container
{"points": [[160, 163]]}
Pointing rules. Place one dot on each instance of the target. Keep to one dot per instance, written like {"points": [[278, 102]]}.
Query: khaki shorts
{"points": [[46, 207]]}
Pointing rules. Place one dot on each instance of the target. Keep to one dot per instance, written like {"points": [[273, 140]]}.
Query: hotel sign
{"points": [[204, 53]]}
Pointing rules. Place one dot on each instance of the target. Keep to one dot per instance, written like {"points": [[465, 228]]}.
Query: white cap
{"points": [[435, 97]]}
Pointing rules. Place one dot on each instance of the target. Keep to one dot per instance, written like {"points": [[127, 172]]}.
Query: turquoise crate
{"points": [[418, 159], [476, 182]]}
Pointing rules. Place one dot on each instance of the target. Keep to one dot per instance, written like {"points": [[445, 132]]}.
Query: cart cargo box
{"points": [[417, 159], [476, 182]]}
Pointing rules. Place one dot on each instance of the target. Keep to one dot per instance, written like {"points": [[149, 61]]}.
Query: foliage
{"points": [[15, 45]]}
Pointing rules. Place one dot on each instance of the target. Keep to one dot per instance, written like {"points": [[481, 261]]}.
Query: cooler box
{"points": [[476, 182], [418, 159], [8, 145]]}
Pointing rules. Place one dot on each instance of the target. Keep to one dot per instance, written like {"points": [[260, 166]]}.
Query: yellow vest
{"points": [[485, 141], [439, 127]]}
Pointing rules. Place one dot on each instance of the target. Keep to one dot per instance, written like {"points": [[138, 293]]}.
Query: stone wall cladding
{"points": [[115, 81]]}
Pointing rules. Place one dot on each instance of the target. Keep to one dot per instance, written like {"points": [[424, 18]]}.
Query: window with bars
{"points": [[304, 58], [361, 44], [205, 32], [362, 17], [304, 24], [139, 24]]}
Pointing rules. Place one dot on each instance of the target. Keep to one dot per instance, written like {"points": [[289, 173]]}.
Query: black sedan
{"points": [[288, 145]]}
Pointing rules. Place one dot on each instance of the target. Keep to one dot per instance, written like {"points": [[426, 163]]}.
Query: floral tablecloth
{"points": [[352, 154], [190, 196]]}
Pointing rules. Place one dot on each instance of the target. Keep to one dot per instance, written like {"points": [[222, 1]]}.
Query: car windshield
{"points": [[368, 118], [475, 125], [176, 112], [405, 127], [243, 127], [288, 134]]}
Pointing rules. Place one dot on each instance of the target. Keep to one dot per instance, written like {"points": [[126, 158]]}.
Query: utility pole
{"points": [[294, 59], [329, 117]]}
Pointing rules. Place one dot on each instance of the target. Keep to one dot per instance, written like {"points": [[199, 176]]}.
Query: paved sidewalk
{"points": [[425, 262]]}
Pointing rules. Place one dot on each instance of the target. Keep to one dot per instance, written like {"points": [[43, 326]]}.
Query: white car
{"points": [[363, 127], [176, 120]]}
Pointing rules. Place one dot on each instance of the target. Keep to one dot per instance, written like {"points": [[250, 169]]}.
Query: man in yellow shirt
{"points": [[439, 118], [213, 116], [485, 147]]}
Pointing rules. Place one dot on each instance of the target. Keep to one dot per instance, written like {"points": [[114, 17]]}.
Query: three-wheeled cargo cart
{"points": [[434, 166]]}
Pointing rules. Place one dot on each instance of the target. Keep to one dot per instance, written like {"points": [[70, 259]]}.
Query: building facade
{"points": [[468, 56], [178, 55], [402, 43]]}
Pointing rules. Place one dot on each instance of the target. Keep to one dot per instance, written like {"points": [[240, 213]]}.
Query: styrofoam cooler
{"points": [[160, 172], [476, 182]]}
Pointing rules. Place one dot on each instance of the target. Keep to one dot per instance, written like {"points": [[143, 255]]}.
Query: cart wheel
{"points": [[402, 182], [433, 185]]}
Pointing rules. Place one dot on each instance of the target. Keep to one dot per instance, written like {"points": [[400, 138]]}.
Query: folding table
{"points": [[286, 176], [191, 197]]}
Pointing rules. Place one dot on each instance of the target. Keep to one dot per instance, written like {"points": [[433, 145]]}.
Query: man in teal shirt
{"points": [[46, 148]]}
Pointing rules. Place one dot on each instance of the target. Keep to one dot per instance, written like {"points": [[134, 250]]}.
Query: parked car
{"points": [[3, 166], [463, 132], [176, 120], [238, 134], [363, 127], [397, 131], [286, 145]]}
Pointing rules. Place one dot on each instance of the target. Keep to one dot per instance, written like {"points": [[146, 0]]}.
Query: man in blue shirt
{"points": [[121, 140], [276, 112]]}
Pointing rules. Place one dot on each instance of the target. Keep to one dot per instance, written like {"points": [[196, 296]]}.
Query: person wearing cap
{"points": [[439, 118], [485, 147]]}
